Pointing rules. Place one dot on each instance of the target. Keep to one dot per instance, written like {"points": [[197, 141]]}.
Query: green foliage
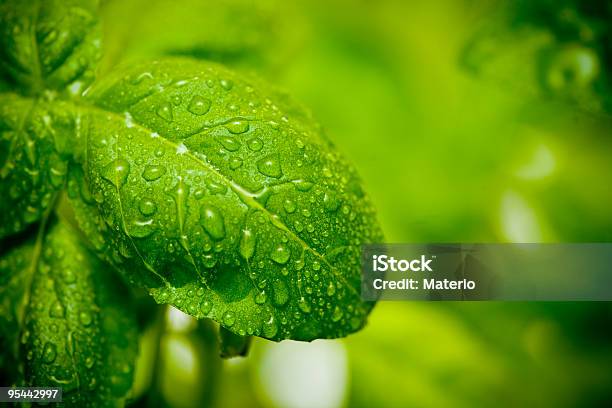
{"points": [[216, 193], [49, 45], [68, 318], [209, 185], [32, 169]]}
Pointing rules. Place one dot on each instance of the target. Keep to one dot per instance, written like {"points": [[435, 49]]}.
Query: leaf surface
{"points": [[49, 44], [224, 199], [73, 318], [32, 167]]}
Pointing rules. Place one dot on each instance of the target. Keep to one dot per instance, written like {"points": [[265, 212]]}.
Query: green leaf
{"points": [[49, 44], [32, 137], [76, 321], [225, 200], [13, 259]]}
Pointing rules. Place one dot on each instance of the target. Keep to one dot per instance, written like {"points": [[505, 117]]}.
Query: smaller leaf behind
{"points": [[49, 45], [12, 289], [33, 135], [80, 332]]}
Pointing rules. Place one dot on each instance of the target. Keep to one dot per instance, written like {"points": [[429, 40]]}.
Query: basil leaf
{"points": [[13, 259], [76, 322], [32, 167], [49, 44], [225, 200]]}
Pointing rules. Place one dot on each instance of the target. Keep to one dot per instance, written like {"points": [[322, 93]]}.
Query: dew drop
{"points": [[210, 261], [331, 289], [57, 175], [331, 202], [303, 185], [230, 144], [289, 206], [49, 353], [226, 84], [69, 276], [299, 227], [280, 292], [141, 229], [85, 318], [57, 310], [217, 188], [117, 172], [270, 166], [153, 172], [140, 78], [304, 305], [260, 298], [89, 362], [337, 314], [212, 221], [237, 126], [206, 307], [198, 193], [280, 254], [199, 105], [229, 318], [235, 163], [164, 111], [270, 328], [181, 149], [255, 144], [147, 207]]}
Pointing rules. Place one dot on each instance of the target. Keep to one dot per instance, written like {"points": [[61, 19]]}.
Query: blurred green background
{"points": [[469, 121]]}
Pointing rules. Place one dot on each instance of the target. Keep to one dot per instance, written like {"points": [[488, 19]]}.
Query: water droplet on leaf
{"points": [[212, 221], [199, 105], [153, 172], [270, 166], [255, 144], [230, 144], [237, 126], [229, 318], [247, 244], [289, 206], [147, 207], [49, 353], [117, 172], [164, 111], [280, 254], [337, 314]]}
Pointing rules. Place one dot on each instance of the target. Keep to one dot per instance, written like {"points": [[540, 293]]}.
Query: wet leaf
{"points": [[73, 318], [32, 135], [225, 200], [50, 45]]}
